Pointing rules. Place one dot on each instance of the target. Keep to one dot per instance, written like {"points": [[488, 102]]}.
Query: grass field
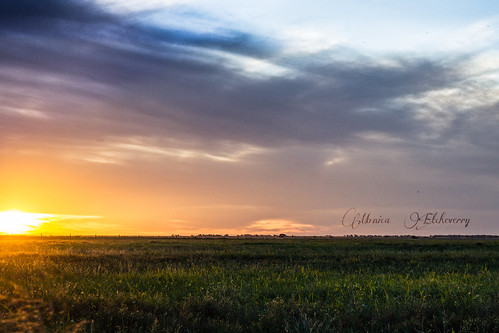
{"points": [[248, 285]]}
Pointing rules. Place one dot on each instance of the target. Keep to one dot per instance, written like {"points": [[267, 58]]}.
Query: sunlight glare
{"points": [[18, 222]]}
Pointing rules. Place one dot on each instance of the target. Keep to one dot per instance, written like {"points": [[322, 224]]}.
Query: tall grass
{"points": [[243, 285]]}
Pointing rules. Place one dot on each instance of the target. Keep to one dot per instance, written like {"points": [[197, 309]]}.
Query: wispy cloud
{"points": [[61, 224], [277, 226], [128, 149]]}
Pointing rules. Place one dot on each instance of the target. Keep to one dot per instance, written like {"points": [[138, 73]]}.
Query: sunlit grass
{"points": [[177, 285]]}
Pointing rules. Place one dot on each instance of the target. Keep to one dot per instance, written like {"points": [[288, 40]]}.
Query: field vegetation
{"points": [[248, 285]]}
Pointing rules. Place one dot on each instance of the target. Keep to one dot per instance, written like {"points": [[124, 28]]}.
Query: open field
{"points": [[248, 285]]}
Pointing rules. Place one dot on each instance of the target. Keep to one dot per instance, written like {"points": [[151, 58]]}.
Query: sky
{"points": [[250, 117]]}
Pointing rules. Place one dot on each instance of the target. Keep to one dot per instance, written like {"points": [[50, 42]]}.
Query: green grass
{"points": [[248, 285]]}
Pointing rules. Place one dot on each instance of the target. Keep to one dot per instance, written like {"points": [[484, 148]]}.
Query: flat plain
{"points": [[138, 284]]}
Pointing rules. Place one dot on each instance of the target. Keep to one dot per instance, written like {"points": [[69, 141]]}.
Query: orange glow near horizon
{"points": [[18, 222]]}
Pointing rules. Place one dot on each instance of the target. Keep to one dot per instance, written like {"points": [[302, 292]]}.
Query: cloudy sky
{"points": [[260, 117]]}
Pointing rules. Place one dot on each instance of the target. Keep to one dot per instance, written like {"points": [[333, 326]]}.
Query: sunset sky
{"points": [[189, 117]]}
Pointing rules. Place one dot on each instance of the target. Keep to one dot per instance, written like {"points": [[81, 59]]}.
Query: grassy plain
{"points": [[248, 285]]}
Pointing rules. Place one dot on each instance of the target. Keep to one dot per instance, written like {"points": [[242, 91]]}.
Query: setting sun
{"points": [[17, 222]]}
